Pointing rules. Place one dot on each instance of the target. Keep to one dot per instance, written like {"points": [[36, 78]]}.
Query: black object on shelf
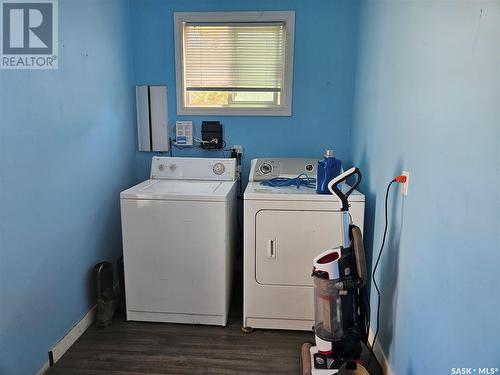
{"points": [[211, 135]]}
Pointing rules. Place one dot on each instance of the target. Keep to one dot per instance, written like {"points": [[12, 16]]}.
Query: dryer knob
{"points": [[265, 168]]}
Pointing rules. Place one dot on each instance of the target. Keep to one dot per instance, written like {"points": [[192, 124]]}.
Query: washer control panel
{"points": [[268, 168], [211, 169]]}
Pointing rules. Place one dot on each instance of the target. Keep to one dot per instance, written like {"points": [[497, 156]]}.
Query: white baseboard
{"points": [[379, 353], [74, 334], [42, 370]]}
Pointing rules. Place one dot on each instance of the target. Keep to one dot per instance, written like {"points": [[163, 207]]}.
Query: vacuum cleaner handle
{"points": [[333, 186]]}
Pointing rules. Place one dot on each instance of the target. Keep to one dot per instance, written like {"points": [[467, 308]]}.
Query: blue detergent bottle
{"points": [[328, 169]]}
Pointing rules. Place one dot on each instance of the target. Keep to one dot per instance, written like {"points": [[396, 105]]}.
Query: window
{"points": [[234, 63]]}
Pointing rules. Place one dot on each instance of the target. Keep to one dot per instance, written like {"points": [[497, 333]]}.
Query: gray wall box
{"points": [[152, 118]]}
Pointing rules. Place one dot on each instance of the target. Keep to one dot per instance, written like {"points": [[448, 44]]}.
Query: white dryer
{"points": [[179, 237], [284, 229]]}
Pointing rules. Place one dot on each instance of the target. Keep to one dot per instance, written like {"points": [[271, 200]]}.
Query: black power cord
{"points": [[199, 146], [366, 333], [372, 354], [375, 270]]}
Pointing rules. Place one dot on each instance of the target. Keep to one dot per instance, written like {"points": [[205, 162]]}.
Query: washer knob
{"points": [[219, 168], [161, 167]]}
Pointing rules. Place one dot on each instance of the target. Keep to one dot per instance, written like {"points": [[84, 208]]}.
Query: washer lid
{"points": [[179, 190], [256, 191]]}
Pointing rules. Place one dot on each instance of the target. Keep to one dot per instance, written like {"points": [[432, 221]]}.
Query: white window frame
{"points": [[288, 17]]}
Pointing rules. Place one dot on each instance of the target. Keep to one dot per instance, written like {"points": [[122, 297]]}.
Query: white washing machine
{"points": [[179, 237], [284, 229]]}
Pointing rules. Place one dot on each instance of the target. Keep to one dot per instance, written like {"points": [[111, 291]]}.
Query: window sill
{"points": [[235, 111]]}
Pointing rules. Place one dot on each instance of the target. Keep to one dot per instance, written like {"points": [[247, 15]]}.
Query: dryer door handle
{"points": [[271, 248]]}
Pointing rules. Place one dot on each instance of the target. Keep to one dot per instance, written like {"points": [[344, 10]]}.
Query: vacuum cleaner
{"points": [[340, 307]]}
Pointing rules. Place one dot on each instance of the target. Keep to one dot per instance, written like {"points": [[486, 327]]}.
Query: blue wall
{"points": [[427, 100], [67, 146], [325, 33]]}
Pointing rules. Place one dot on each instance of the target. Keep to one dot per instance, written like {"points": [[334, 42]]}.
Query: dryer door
{"points": [[288, 240]]}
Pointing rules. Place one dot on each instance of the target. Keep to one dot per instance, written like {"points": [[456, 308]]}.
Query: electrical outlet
{"points": [[404, 186], [239, 149]]}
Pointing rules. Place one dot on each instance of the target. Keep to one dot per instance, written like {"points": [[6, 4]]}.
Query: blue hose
{"points": [[300, 180]]}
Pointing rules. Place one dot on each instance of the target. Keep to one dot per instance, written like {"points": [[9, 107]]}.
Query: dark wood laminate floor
{"points": [[157, 348]]}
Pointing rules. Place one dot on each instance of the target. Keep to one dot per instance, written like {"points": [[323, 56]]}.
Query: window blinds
{"points": [[242, 57]]}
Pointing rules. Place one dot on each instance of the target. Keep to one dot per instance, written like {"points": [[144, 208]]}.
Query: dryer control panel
{"points": [[268, 168], [211, 169]]}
